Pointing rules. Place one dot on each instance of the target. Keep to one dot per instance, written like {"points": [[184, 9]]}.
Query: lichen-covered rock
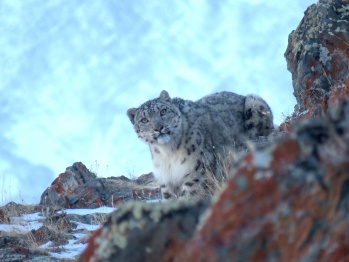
{"points": [[77, 187], [65, 185], [287, 203], [145, 232], [45, 234], [318, 58]]}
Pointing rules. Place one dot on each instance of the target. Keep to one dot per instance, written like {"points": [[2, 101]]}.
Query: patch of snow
{"points": [[86, 211], [70, 250], [20, 227], [75, 247], [46, 245], [86, 226], [153, 201], [79, 235], [32, 217]]}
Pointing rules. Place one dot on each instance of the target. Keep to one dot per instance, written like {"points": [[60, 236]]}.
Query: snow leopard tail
{"points": [[258, 117]]}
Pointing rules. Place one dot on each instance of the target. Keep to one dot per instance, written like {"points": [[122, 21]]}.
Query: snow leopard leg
{"points": [[167, 193], [195, 185], [258, 117]]}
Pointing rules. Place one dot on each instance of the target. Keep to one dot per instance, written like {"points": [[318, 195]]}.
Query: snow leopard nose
{"points": [[159, 128]]}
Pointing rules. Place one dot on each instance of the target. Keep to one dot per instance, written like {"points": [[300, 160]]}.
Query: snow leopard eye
{"points": [[144, 120], [163, 112]]}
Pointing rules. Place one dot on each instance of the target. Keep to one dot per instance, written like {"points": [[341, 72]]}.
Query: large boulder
{"points": [[66, 184], [318, 57], [145, 232], [77, 187]]}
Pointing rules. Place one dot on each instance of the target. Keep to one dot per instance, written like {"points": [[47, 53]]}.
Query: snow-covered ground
{"points": [[27, 222]]}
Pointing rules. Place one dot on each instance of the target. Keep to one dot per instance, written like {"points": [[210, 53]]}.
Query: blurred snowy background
{"points": [[69, 70]]}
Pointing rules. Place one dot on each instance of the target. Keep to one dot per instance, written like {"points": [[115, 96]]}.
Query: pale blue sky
{"points": [[71, 69]]}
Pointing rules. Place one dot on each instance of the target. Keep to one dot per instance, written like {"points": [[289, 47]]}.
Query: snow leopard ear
{"points": [[165, 96], [131, 113]]}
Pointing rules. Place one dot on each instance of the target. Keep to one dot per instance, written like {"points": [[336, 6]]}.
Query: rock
{"points": [[64, 225], [145, 232], [4, 218], [15, 209], [122, 178], [45, 234], [90, 219], [146, 194], [17, 248], [65, 185], [80, 188], [318, 57], [145, 179]]}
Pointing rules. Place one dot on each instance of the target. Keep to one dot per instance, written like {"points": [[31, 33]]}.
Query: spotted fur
{"points": [[187, 138]]}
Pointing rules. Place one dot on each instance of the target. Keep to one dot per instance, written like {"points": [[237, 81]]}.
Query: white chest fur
{"points": [[171, 166]]}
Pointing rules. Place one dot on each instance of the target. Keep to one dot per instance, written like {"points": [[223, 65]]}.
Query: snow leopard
{"points": [[187, 139]]}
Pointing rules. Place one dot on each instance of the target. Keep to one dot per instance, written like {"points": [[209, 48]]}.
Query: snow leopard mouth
{"points": [[162, 138]]}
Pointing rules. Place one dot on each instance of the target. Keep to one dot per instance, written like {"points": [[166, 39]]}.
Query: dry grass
{"points": [[216, 179], [13, 209], [230, 161]]}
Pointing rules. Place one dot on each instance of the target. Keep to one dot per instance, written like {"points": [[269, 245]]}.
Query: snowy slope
{"points": [[27, 222]]}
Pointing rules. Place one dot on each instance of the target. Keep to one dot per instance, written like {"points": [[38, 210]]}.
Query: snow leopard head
{"points": [[157, 120]]}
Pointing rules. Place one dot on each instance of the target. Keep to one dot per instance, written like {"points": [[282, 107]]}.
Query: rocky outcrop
{"points": [[65, 186], [287, 202], [318, 58], [77, 187]]}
